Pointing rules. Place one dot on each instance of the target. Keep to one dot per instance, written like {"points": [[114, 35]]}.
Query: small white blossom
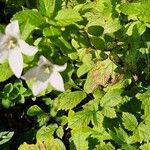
{"points": [[12, 47], [45, 73]]}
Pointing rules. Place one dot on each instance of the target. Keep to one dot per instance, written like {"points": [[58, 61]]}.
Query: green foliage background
{"points": [[106, 105]]}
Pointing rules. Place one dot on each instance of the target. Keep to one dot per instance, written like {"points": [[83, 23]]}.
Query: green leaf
{"points": [[145, 146], [70, 100], [108, 146], [48, 144], [79, 119], [145, 99], [111, 98], [56, 144], [128, 147], [67, 16], [112, 25], [5, 136], [98, 42], [33, 17], [39, 113], [51, 31], [129, 121], [45, 138], [95, 30], [97, 120], [119, 136], [8, 88], [130, 8], [137, 11], [2, 29], [46, 132], [26, 29], [79, 137], [49, 8], [63, 44], [83, 69], [5, 72], [109, 112], [26, 146], [142, 133], [60, 132], [136, 28], [104, 20]]}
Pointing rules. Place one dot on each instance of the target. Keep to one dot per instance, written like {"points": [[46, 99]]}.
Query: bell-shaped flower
{"points": [[45, 73], [12, 47]]}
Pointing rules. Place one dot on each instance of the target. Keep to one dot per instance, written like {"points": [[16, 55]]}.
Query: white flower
{"points": [[44, 73], [12, 48]]}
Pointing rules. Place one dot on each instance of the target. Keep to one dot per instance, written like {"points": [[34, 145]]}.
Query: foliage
{"points": [[106, 102]]}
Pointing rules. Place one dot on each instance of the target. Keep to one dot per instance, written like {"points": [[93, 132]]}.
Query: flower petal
{"points": [[15, 61], [30, 73], [12, 29], [38, 87], [60, 68], [56, 81], [2, 39], [26, 48], [3, 55], [42, 61]]}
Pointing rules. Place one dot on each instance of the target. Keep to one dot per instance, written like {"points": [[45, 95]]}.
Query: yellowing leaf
{"points": [[101, 74]]}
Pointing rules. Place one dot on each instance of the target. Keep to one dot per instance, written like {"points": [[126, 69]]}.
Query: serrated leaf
{"points": [[60, 132], [111, 98], [145, 99], [5, 136], [79, 119], [129, 121], [109, 112], [128, 147], [67, 16], [79, 137], [5, 72], [39, 113], [142, 133], [130, 8], [56, 144], [97, 120], [138, 10], [119, 136], [46, 132], [33, 17], [48, 144], [70, 100], [108, 146]]}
